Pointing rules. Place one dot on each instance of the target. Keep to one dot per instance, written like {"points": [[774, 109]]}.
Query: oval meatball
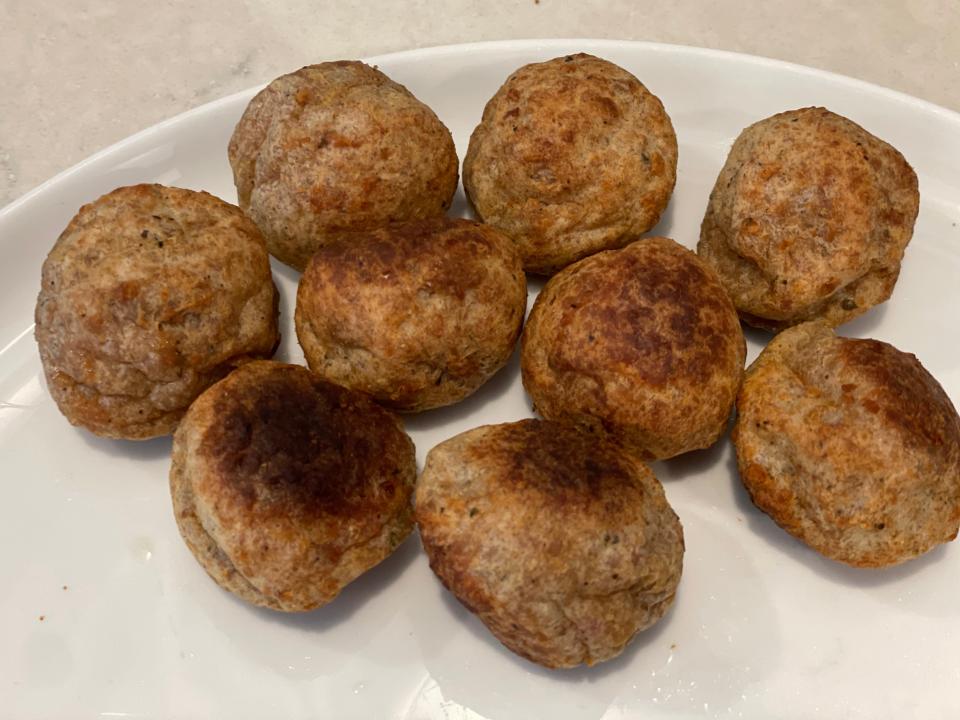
{"points": [[286, 488], [563, 544], [809, 219], [642, 343], [150, 295], [416, 314], [334, 148], [850, 446], [572, 156]]}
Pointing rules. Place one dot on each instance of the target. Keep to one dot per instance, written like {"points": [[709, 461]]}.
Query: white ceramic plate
{"points": [[103, 611]]}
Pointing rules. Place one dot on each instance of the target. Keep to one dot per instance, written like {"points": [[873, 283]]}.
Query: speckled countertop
{"points": [[78, 75]]}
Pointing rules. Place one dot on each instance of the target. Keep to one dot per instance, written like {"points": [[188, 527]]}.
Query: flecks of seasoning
{"points": [[473, 511], [42, 618], [160, 243], [143, 234]]}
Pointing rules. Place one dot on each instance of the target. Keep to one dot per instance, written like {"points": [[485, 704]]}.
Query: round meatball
{"points": [[150, 296], [640, 342], [850, 446], [563, 544], [286, 487], [572, 156], [809, 219], [334, 148], [417, 314]]}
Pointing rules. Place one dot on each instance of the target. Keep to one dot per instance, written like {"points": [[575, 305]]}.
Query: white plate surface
{"points": [[762, 627]]}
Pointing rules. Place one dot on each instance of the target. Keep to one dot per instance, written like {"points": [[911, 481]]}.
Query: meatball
{"points": [[640, 342], [150, 296], [334, 148], [286, 487], [417, 314], [563, 544], [850, 446], [572, 156], [809, 219]]}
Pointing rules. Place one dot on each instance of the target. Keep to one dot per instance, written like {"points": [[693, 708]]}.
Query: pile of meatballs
{"points": [[158, 314]]}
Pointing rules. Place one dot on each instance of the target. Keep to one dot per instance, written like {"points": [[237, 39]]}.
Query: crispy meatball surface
{"points": [[150, 295], [572, 156], [850, 446], [286, 487], [417, 314], [563, 544], [334, 148], [640, 342], [809, 219]]}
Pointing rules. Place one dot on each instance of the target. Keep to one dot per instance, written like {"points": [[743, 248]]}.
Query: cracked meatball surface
{"points": [[149, 296], [572, 156], [563, 544], [338, 147], [849, 445], [286, 487], [416, 314], [809, 219]]}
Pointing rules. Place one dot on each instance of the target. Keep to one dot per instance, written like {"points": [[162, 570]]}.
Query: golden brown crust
{"points": [[809, 219], [641, 342], [416, 314], [286, 487], [562, 543], [572, 156], [150, 295], [338, 147], [851, 446]]}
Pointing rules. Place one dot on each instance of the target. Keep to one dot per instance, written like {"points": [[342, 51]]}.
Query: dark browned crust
{"points": [[642, 342], [287, 487], [809, 219], [572, 156], [562, 543], [335, 148], [150, 295], [416, 314], [851, 446]]}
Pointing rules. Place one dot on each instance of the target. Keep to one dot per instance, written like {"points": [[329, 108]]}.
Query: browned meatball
{"points": [[149, 296], [417, 314], [337, 147], [572, 156], [563, 544], [286, 487], [640, 342], [850, 446], [809, 219]]}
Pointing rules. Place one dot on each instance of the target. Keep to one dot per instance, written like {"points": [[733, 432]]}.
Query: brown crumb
{"points": [[673, 646], [64, 587], [42, 618]]}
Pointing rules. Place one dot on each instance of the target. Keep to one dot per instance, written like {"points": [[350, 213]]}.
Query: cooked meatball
{"points": [[809, 219], [334, 148], [572, 156], [417, 314], [850, 446], [642, 343], [286, 487], [150, 296], [563, 544]]}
